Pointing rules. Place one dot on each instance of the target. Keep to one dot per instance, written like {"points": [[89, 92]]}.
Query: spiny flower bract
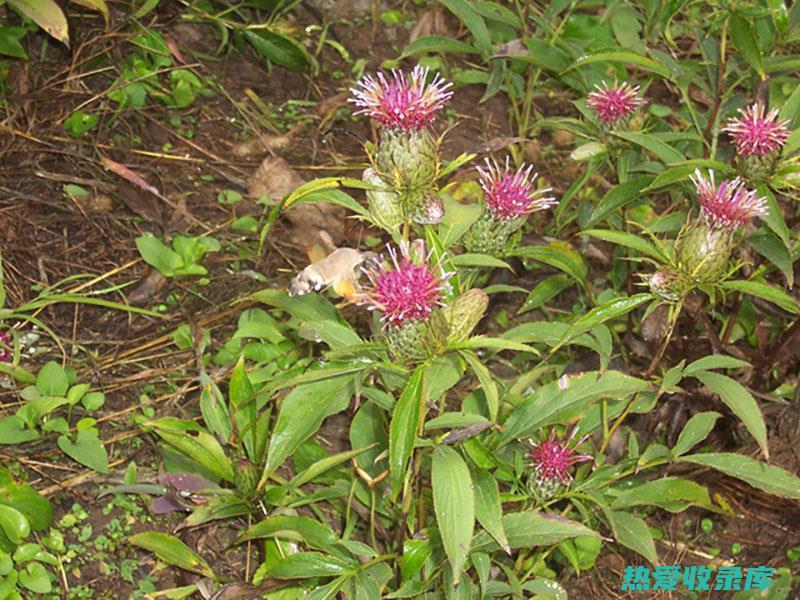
{"points": [[405, 290], [554, 458], [611, 104], [756, 132], [727, 204], [510, 194], [407, 103]]}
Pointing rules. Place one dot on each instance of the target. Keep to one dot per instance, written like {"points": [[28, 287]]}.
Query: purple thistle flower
{"points": [[727, 205], [553, 459], [405, 291], [5, 346], [510, 194], [757, 132], [611, 104], [400, 102]]}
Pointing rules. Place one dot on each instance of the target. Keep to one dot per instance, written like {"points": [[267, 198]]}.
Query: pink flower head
{"points": [[553, 458], [406, 290], [5, 346], [400, 102], [756, 133], [728, 205], [611, 104], [510, 194]]}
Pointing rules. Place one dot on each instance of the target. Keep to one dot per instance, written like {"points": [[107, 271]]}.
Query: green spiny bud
{"points": [[464, 313], [703, 251], [245, 477], [384, 204]]}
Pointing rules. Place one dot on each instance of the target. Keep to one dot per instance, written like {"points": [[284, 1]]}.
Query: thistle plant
{"points": [[704, 246], [406, 158], [614, 104], [552, 461], [509, 197], [405, 291], [758, 136]]}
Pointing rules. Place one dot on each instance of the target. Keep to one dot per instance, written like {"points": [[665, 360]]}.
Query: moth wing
{"points": [[315, 253], [346, 287]]}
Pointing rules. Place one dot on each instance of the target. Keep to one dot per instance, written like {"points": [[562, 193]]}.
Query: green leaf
{"points": [[13, 430], [488, 509], [545, 291], [302, 413], [52, 380], [560, 255], [333, 333], [438, 44], [765, 292], [714, 361], [296, 528], [682, 172], [695, 431], [771, 247], [660, 149], [278, 48], [333, 196], [172, 551], [487, 382], [214, 408], [745, 42], [454, 420], [458, 218], [87, 449], [98, 5], [28, 501], [630, 58], [617, 197], [325, 464], [35, 578], [10, 46], [310, 307], [774, 216], [664, 493], [773, 480], [499, 344], [479, 260], [632, 532], [542, 54], [244, 409], [454, 504], [610, 310], [403, 428], [310, 564], [529, 528], [191, 441], [467, 14], [588, 151], [14, 524], [629, 240], [549, 401], [156, 254], [47, 15], [740, 401]]}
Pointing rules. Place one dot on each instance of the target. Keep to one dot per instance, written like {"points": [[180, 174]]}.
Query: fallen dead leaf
{"points": [[148, 288], [498, 143], [273, 178], [310, 223]]}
